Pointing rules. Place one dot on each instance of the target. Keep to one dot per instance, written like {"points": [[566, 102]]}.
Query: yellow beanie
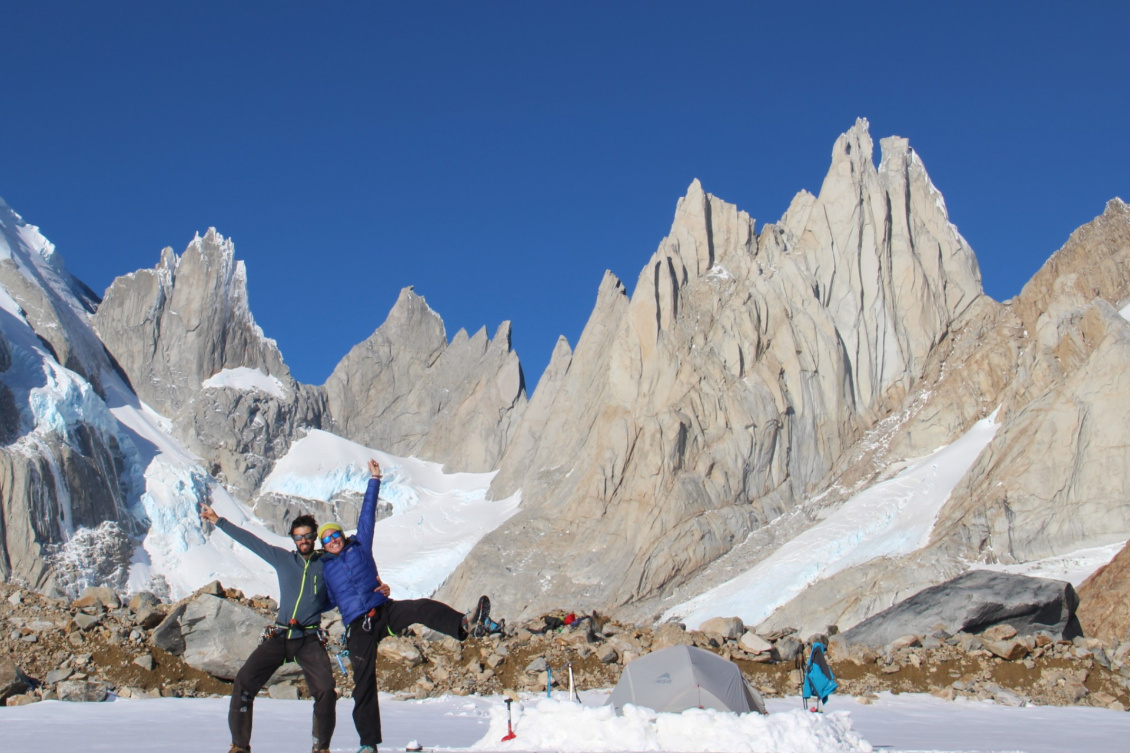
{"points": [[329, 527]]}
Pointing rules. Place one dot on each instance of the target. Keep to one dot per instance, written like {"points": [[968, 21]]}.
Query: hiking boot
{"points": [[236, 749], [367, 749], [473, 621], [481, 611]]}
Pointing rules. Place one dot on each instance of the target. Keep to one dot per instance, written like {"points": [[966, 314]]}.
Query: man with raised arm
{"points": [[295, 635], [370, 615]]}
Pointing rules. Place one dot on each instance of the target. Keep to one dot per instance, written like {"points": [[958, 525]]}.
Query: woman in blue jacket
{"points": [[355, 587]]}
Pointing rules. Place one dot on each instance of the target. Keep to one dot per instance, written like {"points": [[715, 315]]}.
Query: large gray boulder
{"points": [[219, 635], [974, 602]]}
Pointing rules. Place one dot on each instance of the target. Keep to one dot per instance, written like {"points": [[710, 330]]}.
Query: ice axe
{"points": [[509, 730]]}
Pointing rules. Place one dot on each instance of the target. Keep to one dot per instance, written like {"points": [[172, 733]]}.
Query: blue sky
{"points": [[499, 156]]}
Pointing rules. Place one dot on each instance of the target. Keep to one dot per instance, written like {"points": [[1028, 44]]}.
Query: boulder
{"points": [[903, 641], [219, 635], [787, 648], [1104, 600], [999, 633], [100, 595], [12, 679], [58, 675], [81, 691], [729, 628], [143, 599], [671, 634], [23, 699], [149, 617], [974, 602], [167, 636], [1009, 650], [215, 588], [400, 650], [752, 643], [284, 691]]}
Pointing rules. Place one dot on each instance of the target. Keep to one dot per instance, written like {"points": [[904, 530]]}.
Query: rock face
{"points": [[1054, 361], [1104, 601], [723, 392], [62, 465], [408, 392], [184, 335], [973, 602]]}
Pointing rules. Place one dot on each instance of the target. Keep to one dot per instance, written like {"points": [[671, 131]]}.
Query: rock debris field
{"points": [[102, 644]]}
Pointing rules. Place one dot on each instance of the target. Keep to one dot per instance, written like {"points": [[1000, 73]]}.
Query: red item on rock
{"points": [[570, 618]]}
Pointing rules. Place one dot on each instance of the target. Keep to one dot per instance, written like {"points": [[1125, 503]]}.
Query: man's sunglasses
{"points": [[331, 536], [304, 536]]}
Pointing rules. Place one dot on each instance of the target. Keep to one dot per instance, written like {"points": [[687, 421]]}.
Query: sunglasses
{"points": [[304, 536], [331, 536]]}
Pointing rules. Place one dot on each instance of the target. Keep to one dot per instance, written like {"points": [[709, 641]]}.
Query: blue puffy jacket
{"points": [[351, 576]]}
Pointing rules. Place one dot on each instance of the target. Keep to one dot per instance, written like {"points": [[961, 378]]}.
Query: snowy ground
{"points": [[893, 723]]}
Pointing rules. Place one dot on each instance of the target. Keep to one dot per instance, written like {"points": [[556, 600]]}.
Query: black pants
{"points": [[391, 618], [311, 655]]}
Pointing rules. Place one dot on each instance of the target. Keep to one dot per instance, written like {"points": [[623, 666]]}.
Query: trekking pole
{"points": [[509, 730], [798, 663], [572, 688], [548, 681]]}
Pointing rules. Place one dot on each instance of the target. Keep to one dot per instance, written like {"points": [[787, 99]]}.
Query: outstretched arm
{"points": [[272, 554], [368, 519]]}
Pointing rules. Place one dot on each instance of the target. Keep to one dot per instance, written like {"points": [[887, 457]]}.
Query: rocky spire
{"points": [[726, 388], [409, 392]]}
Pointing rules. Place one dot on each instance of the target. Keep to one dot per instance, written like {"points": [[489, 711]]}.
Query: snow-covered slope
{"points": [[891, 518], [154, 485], [437, 517]]}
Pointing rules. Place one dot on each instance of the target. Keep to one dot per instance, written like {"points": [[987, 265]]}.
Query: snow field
{"points": [[889, 519], [893, 724], [561, 725]]}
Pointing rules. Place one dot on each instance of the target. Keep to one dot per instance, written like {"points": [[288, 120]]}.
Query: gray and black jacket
{"points": [[302, 590]]}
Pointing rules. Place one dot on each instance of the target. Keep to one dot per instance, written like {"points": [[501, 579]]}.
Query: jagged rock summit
{"points": [[184, 335], [64, 465], [721, 394], [409, 392]]}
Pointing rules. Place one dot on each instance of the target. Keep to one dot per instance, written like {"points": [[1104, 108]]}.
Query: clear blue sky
{"points": [[499, 156]]}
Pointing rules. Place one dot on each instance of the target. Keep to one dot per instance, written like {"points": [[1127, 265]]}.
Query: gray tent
{"points": [[685, 677]]}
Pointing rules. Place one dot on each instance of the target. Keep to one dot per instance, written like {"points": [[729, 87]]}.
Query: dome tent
{"points": [[684, 677]]}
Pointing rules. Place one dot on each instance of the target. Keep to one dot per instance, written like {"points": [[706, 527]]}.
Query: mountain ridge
{"points": [[750, 384]]}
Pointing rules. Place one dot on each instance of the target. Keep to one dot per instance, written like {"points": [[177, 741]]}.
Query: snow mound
{"points": [[565, 726], [244, 379]]}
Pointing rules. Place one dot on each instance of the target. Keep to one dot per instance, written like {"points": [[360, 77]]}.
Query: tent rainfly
{"points": [[684, 677]]}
